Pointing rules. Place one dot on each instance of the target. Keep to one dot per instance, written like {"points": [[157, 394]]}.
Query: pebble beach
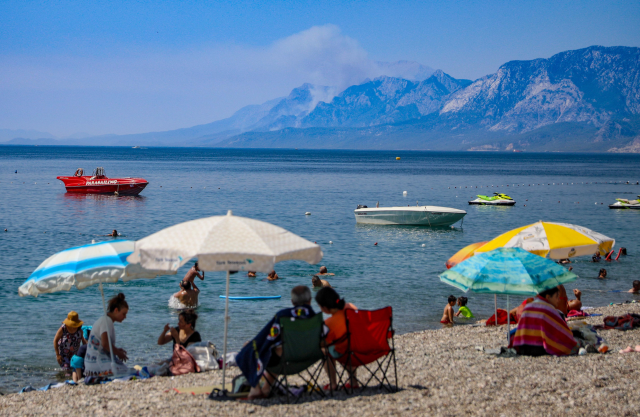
{"points": [[445, 372]]}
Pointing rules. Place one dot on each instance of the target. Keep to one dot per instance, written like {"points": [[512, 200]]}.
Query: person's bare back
{"points": [[188, 298], [447, 314], [191, 274]]}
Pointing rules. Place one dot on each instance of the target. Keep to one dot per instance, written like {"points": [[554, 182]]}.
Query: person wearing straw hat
{"points": [[67, 340]]}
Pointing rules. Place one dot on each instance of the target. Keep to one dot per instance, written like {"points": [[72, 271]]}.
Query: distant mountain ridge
{"points": [[581, 100]]}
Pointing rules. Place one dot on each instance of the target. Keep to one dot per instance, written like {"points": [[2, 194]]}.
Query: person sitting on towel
{"points": [[184, 334], [265, 349], [564, 305], [541, 330]]}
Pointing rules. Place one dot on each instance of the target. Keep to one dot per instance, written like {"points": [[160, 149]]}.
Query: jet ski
{"points": [[623, 203], [498, 199]]}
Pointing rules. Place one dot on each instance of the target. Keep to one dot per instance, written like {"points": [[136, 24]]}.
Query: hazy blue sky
{"points": [[138, 66]]}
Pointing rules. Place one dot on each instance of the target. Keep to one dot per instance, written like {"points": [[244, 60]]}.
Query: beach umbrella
{"points": [[87, 265], [510, 271], [462, 254], [223, 243], [552, 240]]}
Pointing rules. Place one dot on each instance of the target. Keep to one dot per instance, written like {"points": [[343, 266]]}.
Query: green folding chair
{"points": [[301, 340]]}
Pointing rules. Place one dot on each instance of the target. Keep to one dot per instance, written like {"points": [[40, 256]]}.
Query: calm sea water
{"points": [[279, 186]]}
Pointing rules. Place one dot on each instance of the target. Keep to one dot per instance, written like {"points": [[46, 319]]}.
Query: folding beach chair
{"points": [[301, 340], [368, 347]]}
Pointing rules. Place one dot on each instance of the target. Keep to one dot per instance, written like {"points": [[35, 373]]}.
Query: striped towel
{"points": [[542, 325]]}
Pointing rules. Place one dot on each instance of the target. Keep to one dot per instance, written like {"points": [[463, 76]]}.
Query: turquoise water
{"points": [[279, 186]]}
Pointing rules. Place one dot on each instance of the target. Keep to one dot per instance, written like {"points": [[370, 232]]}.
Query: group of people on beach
{"points": [[264, 351], [85, 350], [90, 355]]}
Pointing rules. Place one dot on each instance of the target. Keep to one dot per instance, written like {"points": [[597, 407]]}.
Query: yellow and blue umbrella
{"points": [[511, 271], [552, 240]]}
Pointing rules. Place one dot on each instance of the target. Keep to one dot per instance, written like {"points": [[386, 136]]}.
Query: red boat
{"points": [[98, 183]]}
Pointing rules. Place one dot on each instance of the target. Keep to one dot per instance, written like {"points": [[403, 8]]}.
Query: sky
{"points": [[99, 67]]}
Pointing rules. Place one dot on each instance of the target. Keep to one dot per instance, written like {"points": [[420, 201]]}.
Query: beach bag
{"points": [[205, 354], [182, 362]]}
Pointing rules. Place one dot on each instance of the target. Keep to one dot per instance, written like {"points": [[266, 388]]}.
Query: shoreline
{"points": [[441, 372]]}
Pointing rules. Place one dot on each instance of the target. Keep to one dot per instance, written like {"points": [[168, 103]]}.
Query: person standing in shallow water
{"points": [[191, 275], [68, 339]]}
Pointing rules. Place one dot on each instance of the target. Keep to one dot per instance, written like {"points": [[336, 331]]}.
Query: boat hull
{"points": [[624, 206], [87, 185], [425, 217]]}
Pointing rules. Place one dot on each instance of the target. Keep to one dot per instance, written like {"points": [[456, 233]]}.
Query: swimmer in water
{"points": [[602, 274], [251, 274], [190, 276], [114, 233], [319, 283], [323, 271], [187, 295], [272, 276], [636, 287]]}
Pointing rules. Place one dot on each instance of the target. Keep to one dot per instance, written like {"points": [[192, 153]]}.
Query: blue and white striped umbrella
{"points": [[84, 266]]}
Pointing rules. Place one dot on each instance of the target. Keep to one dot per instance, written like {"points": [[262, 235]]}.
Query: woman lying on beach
{"points": [[97, 362], [67, 340], [184, 334], [331, 303], [541, 330]]}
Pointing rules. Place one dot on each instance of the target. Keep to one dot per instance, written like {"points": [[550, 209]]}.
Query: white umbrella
{"points": [[223, 243], [86, 265]]}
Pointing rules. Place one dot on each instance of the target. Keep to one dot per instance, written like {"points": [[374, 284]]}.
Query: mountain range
{"points": [[580, 100]]}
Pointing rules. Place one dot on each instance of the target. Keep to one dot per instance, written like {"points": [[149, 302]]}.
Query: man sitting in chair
{"points": [[265, 349]]}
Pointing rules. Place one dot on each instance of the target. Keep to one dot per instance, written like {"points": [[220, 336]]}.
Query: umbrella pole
{"points": [[508, 324], [226, 323], [495, 304], [113, 361]]}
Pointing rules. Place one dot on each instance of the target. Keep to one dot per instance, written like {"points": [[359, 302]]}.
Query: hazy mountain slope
{"points": [[384, 100], [8, 134], [589, 85]]}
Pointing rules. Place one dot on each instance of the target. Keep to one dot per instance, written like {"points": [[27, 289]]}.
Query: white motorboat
{"points": [[415, 216]]}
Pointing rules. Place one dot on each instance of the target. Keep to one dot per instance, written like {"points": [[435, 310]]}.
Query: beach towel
{"points": [[541, 325], [576, 313], [255, 355], [626, 322], [502, 318]]}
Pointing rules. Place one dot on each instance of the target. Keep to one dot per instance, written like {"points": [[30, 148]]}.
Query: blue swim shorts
{"points": [[334, 353], [77, 362]]}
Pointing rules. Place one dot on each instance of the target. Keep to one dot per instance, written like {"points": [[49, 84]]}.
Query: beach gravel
{"points": [[445, 372]]}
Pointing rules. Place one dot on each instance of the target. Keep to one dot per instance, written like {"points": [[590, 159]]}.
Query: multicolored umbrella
{"points": [[552, 240], [463, 254], [511, 271]]}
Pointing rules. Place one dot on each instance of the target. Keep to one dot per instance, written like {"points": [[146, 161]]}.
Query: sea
{"points": [[374, 266]]}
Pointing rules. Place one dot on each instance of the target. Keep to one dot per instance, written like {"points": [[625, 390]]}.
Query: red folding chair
{"points": [[368, 347]]}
